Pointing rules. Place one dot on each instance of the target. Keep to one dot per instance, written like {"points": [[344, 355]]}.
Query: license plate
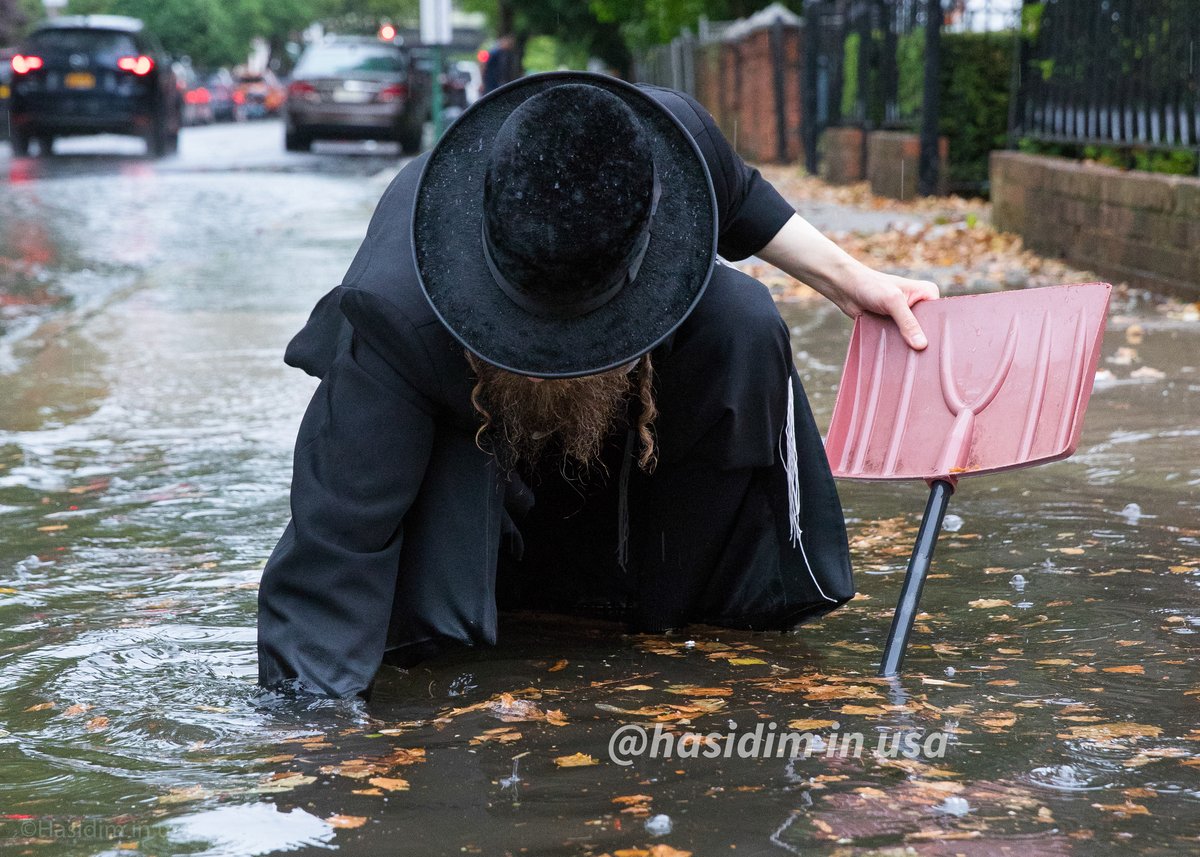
{"points": [[343, 96], [80, 80]]}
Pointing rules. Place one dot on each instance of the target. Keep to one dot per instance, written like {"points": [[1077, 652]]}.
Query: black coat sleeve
{"points": [[326, 592], [749, 209]]}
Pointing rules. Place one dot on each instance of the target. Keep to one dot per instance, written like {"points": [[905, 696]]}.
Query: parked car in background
{"points": [[355, 88], [261, 94], [93, 74], [469, 78], [197, 100], [223, 96]]}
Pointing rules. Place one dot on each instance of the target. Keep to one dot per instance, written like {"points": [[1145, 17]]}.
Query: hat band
{"points": [[622, 275]]}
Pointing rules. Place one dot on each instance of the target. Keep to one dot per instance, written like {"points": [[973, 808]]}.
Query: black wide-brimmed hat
{"points": [[564, 225]]}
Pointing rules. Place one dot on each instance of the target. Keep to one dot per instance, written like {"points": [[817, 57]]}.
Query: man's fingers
{"points": [[923, 290], [910, 328]]}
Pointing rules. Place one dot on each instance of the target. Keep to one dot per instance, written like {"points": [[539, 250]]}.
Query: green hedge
{"points": [[974, 96]]}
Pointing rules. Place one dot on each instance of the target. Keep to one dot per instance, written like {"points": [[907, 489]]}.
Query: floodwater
{"points": [[146, 424]]}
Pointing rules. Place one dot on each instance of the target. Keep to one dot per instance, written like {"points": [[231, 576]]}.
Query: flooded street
{"points": [[146, 430]]}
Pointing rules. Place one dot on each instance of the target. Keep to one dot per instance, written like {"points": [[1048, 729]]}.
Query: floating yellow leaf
{"points": [[185, 794], [693, 690], [836, 691], [52, 529], [41, 706], [1112, 731], [561, 664], [1127, 808], [863, 709], [630, 800], [1131, 669], [575, 760], [664, 850], [745, 662], [96, 724], [1055, 662], [390, 784], [989, 602], [406, 756], [998, 720], [346, 822], [499, 735], [812, 723]]}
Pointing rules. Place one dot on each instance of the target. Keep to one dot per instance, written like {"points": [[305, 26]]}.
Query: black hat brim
{"points": [[448, 246]]}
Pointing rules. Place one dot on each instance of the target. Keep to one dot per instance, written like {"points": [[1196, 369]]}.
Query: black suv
{"points": [[93, 74]]}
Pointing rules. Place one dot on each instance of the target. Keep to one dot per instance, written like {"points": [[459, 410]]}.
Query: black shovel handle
{"points": [[914, 580]]}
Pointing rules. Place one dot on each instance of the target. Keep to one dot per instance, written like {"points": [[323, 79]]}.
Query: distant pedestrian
{"points": [[503, 64]]}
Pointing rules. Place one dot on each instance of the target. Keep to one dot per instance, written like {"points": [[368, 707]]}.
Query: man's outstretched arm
{"points": [[801, 251], [755, 220]]}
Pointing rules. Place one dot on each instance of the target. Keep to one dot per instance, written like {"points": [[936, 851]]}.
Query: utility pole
{"points": [[437, 31]]}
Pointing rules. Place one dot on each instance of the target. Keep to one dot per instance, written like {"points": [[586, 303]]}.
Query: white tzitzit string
{"points": [[791, 461]]}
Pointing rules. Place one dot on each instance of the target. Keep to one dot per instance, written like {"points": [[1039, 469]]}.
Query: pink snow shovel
{"points": [[1003, 384]]}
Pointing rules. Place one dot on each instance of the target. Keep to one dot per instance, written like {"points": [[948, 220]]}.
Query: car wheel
{"points": [[45, 145], [156, 138], [297, 141], [410, 139], [19, 141]]}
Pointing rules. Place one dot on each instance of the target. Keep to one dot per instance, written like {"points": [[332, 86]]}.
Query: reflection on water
{"points": [[145, 444]]}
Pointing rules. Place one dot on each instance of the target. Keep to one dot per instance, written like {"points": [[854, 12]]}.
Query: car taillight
{"points": [[138, 65], [23, 64], [239, 97], [198, 96], [395, 92], [302, 89]]}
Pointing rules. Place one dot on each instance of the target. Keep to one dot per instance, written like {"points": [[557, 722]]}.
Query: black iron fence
{"points": [[1110, 72]]}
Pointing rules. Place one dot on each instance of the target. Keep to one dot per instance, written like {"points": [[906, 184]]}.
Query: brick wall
{"points": [[744, 102], [842, 153], [1140, 227], [894, 162]]}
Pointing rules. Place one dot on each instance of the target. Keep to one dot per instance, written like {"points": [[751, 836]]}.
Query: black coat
{"points": [[397, 515]]}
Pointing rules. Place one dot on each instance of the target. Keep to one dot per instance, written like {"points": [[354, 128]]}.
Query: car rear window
{"points": [[344, 60], [104, 45]]}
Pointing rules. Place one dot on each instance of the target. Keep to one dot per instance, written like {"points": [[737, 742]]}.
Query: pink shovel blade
{"points": [[1003, 384]]}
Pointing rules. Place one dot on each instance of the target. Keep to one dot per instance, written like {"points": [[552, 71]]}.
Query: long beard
{"points": [[522, 417]]}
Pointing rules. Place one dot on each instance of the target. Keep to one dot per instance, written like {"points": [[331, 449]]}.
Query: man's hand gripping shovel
{"points": [[1003, 384]]}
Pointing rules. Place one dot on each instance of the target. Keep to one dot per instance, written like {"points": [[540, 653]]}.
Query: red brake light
{"points": [[138, 65], [482, 56], [198, 96], [22, 64], [395, 92], [301, 89], [387, 32], [239, 97]]}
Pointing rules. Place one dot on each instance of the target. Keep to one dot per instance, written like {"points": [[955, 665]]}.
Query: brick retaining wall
{"points": [[893, 163], [842, 154], [1140, 227]]}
